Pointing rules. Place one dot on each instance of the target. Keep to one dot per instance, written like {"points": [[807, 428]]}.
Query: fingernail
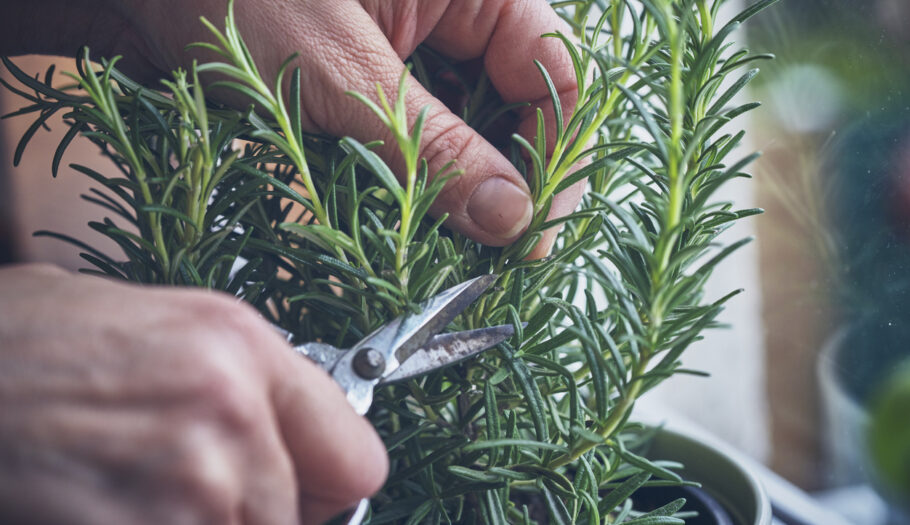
{"points": [[500, 207]]}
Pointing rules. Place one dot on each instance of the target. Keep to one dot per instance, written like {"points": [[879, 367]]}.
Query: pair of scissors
{"points": [[408, 346]]}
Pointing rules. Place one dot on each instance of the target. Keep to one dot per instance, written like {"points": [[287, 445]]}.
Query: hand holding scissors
{"points": [[408, 346]]}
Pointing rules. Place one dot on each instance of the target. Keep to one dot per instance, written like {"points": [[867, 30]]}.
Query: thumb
{"points": [[489, 202]]}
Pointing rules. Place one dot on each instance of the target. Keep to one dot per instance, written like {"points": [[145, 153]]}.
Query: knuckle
{"points": [[203, 476], [218, 322], [216, 309], [224, 395], [450, 142], [237, 414], [221, 377]]}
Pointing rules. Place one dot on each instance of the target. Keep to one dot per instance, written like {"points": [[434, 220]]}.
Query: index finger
{"points": [[337, 455], [507, 33]]}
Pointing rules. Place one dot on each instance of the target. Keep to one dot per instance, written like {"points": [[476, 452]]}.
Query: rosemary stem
{"points": [[676, 181], [618, 414]]}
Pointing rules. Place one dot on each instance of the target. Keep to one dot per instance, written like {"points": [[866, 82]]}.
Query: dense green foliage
{"points": [[317, 234]]}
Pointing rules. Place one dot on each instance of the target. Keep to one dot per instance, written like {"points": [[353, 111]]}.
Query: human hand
{"points": [[158, 405], [350, 45]]}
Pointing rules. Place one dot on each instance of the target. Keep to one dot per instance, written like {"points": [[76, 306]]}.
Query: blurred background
{"points": [[816, 360], [834, 244], [813, 364]]}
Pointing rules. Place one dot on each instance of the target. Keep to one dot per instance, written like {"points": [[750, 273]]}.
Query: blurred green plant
{"points": [[318, 234], [889, 434]]}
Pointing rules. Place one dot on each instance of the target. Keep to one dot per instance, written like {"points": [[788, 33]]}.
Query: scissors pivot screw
{"points": [[369, 363]]}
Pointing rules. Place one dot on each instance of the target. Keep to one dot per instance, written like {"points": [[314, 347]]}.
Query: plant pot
{"points": [[848, 371], [729, 495], [845, 419]]}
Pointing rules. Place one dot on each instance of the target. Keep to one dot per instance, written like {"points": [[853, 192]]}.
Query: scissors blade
{"points": [[404, 335], [438, 311], [386, 348], [447, 349]]}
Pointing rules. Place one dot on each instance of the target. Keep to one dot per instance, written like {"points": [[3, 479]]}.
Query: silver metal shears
{"points": [[406, 347]]}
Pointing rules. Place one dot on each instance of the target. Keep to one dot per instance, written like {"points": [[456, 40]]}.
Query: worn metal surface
{"points": [[448, 349]]}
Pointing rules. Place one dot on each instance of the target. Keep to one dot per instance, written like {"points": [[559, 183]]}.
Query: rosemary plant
{"points": [[317, 233]]}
